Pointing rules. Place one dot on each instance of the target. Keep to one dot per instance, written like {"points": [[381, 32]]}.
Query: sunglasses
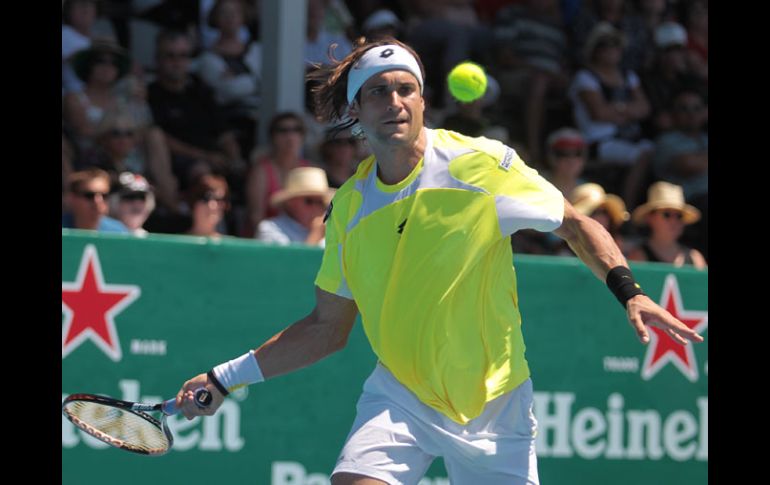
{"points": [[134, 196], [209, 196], [121, 133], [90, 195], [313, 201], [289, 129], [105, 60], [671, 215]]}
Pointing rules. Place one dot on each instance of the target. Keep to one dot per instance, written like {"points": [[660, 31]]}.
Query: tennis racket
{"points": [[124, 424]]}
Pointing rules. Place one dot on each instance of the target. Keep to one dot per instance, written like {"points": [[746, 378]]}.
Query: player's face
{"points": [[390, 108]]}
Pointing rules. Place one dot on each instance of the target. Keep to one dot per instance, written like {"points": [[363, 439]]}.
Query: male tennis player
{"points": [[418, 242]]}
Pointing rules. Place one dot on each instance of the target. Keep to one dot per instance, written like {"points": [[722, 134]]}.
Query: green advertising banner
{"points": [[142, 315]]}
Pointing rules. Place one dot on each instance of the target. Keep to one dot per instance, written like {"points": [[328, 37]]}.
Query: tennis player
{"points": [[418, 242]]}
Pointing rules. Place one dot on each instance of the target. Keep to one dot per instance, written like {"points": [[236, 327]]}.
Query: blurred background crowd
{"points": [[161, 100]]}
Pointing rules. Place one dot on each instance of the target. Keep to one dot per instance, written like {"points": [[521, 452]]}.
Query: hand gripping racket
{"points": [[124, 424]]}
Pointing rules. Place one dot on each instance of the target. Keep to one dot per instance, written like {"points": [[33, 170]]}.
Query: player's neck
{"points": [[396, 162]]}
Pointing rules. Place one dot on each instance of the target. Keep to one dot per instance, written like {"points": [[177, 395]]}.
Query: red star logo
{"points": [[662, 348], [90, 305]]}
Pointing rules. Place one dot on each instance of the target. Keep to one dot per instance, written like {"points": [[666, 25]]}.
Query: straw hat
{"points": [[83, 60], [586, 198], [304, 181], [663, 195]]}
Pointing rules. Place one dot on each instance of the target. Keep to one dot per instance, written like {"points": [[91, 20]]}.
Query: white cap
{"points": [[381, 58], [670, 33], [381, 18]]}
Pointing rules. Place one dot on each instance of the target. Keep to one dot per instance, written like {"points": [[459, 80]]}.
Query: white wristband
{"points": [[239, 372]]}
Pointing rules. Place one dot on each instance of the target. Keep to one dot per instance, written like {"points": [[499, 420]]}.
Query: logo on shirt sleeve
{"points": [[507, 160]]}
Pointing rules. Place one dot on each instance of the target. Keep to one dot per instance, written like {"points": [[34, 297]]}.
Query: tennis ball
{"points": [[467, 82]]}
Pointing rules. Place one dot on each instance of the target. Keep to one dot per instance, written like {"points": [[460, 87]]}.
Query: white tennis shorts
{"points": [[395, 438]]}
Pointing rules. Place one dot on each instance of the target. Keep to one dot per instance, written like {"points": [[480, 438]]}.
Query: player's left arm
{"points": [[596, 248]]}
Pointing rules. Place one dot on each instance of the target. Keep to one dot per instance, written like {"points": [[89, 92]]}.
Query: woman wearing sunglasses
{"points": [[666, 214]]}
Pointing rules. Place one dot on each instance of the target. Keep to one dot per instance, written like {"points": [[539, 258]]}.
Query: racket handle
{"points": [[202, 400]]}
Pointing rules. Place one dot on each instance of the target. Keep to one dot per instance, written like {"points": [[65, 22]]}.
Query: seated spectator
{"points": [[682, 158], [184, 107], [609, 104], [208, 199], [670, 73], [566, 156], [87, 202], [78, 18], [132, 202], [208, 33], [696, 19], [269, 170], [303, 204], [319, 39], [120, 147], [232, 69], [620, 14], [100, 67], [665, 214], [609, 210], [681, 155]]}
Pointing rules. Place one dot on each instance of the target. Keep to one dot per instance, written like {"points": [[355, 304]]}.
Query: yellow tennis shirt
{"points": [[428, 261]]}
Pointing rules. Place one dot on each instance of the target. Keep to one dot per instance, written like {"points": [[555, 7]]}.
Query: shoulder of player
{"points": [[446, 139], [485, 153]]}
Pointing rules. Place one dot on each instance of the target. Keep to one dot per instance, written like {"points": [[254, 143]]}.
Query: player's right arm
{"points": [[322, 332]]}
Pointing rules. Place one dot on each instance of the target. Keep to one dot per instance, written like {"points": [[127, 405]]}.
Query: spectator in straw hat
{"points": [[666, 214], [304, 201], [608, 209]]}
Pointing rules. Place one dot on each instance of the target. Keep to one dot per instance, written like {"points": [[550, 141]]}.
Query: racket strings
{"points": [[119, 427]]}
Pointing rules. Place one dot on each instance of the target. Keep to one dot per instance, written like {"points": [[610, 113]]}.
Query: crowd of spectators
{"points": [[607, 98]]}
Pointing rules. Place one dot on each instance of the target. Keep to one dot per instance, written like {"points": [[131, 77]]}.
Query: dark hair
{"points": [[206, 184], [286, 115], [169, 35], [330, 92], [211, 19]]}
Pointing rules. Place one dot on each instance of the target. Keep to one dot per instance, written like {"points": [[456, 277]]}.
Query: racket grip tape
{"points": [[202, 399]]}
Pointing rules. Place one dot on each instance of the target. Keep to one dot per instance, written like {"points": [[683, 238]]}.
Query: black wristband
{"points": [[622, 284], [216, 383]]}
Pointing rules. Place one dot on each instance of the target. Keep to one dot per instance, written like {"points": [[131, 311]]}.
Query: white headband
{"points": [[378, 59]]}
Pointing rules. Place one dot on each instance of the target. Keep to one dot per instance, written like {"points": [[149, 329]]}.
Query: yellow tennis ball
{"points": [[467, 82]]}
